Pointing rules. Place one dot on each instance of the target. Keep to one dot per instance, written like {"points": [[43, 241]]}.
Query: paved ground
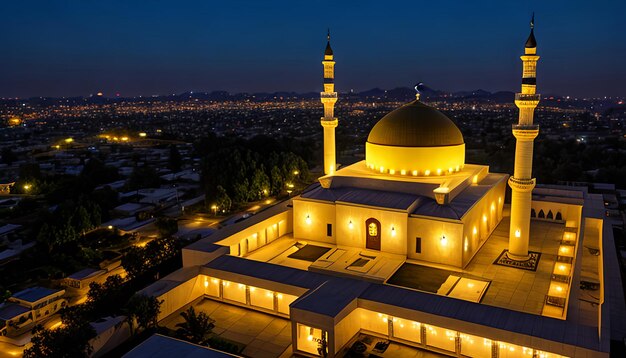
{"points": [[265, 336], [514, 288], [394, 350]]}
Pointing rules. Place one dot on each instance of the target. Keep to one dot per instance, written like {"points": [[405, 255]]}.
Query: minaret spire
{"points": [[525, 132], [329, 98]]}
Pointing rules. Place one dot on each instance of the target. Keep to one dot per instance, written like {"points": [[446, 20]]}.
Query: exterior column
{"points": [[525, 132], [329, 122]]}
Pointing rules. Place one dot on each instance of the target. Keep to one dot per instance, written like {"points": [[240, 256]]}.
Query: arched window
{"points": [[372, 237], [550, 215], [558, 216], [533, 214], [542, 215]]}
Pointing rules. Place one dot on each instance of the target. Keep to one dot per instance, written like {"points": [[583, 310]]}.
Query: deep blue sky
{"points": [[65, 48]]}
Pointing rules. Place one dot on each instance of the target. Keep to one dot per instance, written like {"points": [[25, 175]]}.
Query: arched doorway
{"points": [[372, 234]]}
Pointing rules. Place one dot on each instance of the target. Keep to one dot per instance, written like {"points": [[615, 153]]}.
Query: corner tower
{"points": [[329, 98], [525, 132]]}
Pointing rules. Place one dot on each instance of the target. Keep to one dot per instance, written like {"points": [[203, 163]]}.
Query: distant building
{"points": [[28, 307]]}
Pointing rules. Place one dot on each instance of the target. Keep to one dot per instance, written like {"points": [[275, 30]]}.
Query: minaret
{"points": [[329, 122], [525, 132]]}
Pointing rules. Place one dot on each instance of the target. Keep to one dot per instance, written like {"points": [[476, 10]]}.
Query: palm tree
{"points": [[196, 328]]}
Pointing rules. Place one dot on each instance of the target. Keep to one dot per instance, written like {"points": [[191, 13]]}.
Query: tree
{"points": [[143, 177], [144, 310], [222, 200], [259, 184], [134, 262], [166, 226], [68, 341], [7, 156], [81, 220], [29, 172], [103, 299], [196, 328], [174, 162], [98, 173]]}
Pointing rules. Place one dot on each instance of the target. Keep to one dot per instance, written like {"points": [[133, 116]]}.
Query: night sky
{"points": [[69, 48]]}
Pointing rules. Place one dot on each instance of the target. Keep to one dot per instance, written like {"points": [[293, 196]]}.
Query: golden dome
{"points": [[415, 140], [415, 125]]}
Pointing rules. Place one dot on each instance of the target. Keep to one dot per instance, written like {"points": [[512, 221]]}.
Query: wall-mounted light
{"points": [[350, 225], [485, 218], [415, 173], [392, 171], [308, 219], [427, 172], [403, 172], [382, 169], [393, 231], [465, 244], [475, 231], [443, 240], [518, 233], [206, 283], [438, 171]]}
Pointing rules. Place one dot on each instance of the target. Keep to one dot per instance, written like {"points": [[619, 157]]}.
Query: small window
{"points": [[418, 245], [373, 229], [329, 229]]}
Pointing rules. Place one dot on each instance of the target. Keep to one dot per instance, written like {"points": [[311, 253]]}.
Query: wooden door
{"points": [[372, 234]]}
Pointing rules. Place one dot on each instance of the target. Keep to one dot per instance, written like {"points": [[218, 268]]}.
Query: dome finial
{"points": [[531, 42], [417, 90], [329, 50]]}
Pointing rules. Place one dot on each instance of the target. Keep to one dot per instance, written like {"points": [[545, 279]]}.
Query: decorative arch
{"points": [[372, 234], [550, 216], [558, 216], [541, 215], [533, 214]]}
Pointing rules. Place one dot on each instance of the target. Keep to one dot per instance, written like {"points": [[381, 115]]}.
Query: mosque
{"points": [[416, 247]]}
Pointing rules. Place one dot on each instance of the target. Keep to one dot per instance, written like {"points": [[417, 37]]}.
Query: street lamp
{"points": [[214, 207], [27, 187]]}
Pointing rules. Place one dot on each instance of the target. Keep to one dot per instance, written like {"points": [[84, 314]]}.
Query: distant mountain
{"points": [[395, 94]]}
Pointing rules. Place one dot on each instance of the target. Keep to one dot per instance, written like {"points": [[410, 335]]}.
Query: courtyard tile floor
{"points": [[265, 336]]}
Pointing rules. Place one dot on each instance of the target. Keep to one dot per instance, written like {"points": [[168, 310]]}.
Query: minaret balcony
{"points": [[331, 95], [525, 131], [527, 99], [329, 123], [523, 185]]}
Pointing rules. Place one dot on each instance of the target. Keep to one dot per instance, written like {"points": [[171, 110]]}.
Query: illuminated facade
{"points": [[357, 253], [525, 132]]}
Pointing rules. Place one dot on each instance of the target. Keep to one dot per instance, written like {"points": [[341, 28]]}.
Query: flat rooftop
{"points": [[34, 294], [481, 281], [158, 346]]}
